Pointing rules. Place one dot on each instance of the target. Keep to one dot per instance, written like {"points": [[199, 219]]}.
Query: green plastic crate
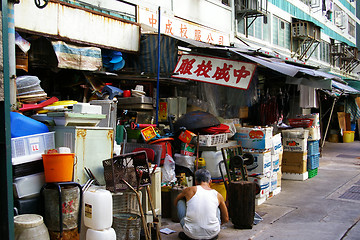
{"points": [[312, 173]]}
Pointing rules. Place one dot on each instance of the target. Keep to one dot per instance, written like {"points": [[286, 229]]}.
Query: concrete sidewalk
{"points": [[318, 208]]}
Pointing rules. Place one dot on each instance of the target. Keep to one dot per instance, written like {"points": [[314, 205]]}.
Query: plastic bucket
{"points": [[58, 167], [348, 136], [220, 187]]}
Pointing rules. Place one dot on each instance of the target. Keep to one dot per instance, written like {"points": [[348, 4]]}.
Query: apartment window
{"points": [[351, 27], [260, 28], [324, 51], [281, 32]]}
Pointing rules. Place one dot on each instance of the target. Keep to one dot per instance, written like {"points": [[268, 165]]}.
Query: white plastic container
{"points": [[87, 108], [106, 234], [98, 209], [30, 227], [212, 159]]}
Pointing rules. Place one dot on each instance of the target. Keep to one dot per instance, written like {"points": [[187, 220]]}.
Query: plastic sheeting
{"points": [[79, 58]]}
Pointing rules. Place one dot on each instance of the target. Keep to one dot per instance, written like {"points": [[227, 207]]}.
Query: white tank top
{"points": [[201, 221]]}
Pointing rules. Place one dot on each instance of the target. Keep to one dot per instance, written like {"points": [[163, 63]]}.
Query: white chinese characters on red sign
{"points": [[219, 71]]}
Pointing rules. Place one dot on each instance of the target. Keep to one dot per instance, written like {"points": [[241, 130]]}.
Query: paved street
{"points": [[318, 208]]}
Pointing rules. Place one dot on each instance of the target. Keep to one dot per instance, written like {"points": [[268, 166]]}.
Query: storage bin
{"points": [[29, 185], [312, 173], [31, 145], [313, 161], [313, 147], [23, 126], [348, 136]]}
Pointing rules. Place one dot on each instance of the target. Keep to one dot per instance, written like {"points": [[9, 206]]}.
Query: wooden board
{"points": [[344, 121]]}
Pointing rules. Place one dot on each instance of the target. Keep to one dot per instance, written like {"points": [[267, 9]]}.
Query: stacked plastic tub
{"points": [[313, 148], [313, 158]]}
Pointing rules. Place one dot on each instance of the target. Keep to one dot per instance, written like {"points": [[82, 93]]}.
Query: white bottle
{"points": [[212, 160], [98, 208], [106, 234]]}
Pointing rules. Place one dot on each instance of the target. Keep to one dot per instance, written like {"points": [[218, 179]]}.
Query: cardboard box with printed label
{"points": [[276, 144], [294, 162], [264, 143], [264, 184], [273, 182], [314, 133], [255, 132], [262, 161], [275, 162], [294, 144]]}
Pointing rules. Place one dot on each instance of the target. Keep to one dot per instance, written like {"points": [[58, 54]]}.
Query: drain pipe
{"points": [[158, 72], [6, 191], [12, 59]]}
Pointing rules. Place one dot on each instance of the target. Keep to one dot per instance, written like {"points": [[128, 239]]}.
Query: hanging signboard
{"points": [[182, 28], [219, 71]]}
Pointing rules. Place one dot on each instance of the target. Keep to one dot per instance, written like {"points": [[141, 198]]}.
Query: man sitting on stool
{"points": [[200, 214]]}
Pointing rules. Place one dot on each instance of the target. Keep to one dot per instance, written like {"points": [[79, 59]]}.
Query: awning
{"points": [[310, 77], [285, 69], [345, 88], [354, 84]]}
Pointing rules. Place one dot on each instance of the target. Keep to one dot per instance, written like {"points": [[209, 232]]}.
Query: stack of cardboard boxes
{"points": [[267, 152], [294, 165]]}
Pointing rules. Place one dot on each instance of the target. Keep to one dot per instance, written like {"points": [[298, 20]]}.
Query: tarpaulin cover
{"points": [[79, 58], [146, 61]]}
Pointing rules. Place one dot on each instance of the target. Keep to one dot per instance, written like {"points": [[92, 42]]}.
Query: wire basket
{"points": [[127, 226], [126, 167], [126, 202]]}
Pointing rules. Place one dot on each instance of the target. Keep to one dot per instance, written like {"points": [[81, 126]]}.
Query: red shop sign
{"points": [[219, 71]]}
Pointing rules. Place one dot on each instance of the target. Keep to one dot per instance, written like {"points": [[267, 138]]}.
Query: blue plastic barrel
{"points": [[23, 126]]}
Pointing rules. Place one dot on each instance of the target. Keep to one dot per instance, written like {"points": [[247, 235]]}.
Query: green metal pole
{"points": [[6, 193]]}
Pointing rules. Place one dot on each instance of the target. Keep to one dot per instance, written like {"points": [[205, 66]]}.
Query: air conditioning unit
{"points": [[241, 5], [340, 19], [314, 3]]}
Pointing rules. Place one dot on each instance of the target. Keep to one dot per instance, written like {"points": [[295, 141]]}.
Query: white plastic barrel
{"points": [[106, 234], [212, 159], [30, 227], [98, 207]]}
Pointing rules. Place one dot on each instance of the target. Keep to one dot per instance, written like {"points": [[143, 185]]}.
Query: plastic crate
{"points": [[126, 202], [212, 140], [32, 144], [126, 167], [313, 147], [312, 173], [313, 161]]}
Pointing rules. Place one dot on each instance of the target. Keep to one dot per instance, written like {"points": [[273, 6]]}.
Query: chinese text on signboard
{"points": [[219, 71]]}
